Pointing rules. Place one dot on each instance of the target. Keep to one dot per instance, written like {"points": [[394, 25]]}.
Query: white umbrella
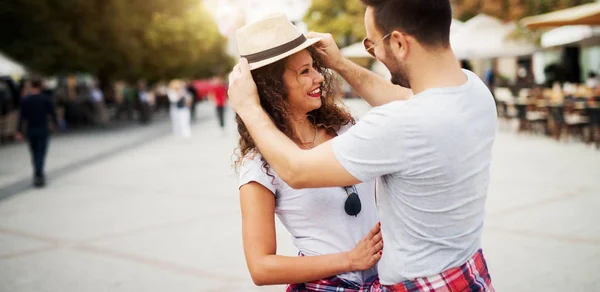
{"points": [[485, 37], [9, 67]]}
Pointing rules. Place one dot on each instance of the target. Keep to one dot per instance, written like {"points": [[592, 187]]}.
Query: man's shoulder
{"points": [[387, 119], [391, 107], [394, 111]]}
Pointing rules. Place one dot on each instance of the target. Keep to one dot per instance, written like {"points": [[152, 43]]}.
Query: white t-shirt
{"points": [[316, 217], [431, 156]]}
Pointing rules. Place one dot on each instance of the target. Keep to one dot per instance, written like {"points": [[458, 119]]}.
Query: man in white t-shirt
{"points": [[430, 154]]}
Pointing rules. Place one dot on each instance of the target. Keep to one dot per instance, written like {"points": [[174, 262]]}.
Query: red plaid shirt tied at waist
{"points": [[472, 276]]}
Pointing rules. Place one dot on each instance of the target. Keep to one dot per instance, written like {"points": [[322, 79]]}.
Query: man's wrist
{"points": [[341, 65], [344, 68]]}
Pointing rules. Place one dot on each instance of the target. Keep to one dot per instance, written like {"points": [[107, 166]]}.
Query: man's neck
{"points": [[435, 71]]}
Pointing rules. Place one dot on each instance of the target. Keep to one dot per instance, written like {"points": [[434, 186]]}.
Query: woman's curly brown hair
{"points": [[274, 100]]}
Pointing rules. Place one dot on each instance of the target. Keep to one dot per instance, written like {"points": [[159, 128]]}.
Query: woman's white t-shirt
{"points": [[316, 217]]}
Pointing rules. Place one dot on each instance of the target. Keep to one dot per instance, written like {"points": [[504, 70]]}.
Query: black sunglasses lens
{"points": [[352, 205]]}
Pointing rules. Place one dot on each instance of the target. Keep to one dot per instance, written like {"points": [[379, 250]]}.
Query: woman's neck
{"points": [[304, 129]]}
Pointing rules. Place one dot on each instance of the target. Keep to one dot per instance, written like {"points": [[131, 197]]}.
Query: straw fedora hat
{"points": [[270, 40]]}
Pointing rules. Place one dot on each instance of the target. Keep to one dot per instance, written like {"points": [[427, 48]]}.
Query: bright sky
{"points": [[294, 9], [225, 10]]}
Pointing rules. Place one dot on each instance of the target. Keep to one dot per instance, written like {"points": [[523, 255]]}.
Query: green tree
{"points": [[510, 10], [113, 39], [342, 18]]}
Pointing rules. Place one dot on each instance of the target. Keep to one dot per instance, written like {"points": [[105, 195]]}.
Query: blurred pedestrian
{"points": [[144, 98], [36, 107], [180, 111], [125, 98], [194, 95], [219, 96], [161, 97], [99, 108]]}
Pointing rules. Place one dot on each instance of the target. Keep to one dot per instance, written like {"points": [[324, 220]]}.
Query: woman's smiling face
{"points": [[303, 83]]}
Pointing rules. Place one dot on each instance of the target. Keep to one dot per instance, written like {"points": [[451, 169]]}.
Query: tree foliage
{"points": [[113, 39], [342, 18]]}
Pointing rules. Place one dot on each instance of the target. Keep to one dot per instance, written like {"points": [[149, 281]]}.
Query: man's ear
{"points": [[400, 45]]}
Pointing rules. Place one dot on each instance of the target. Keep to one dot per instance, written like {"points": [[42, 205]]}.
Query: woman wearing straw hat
{"points": [[335, 229]]}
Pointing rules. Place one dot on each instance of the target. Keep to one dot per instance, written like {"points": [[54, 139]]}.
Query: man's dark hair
{"points": [[36, 83], [428, 21]]}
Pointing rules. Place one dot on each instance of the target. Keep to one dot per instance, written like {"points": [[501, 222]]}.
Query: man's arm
{"points": [[371, 87], [299, 168]]}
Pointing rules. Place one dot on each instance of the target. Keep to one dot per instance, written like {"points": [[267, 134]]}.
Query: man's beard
{"points": [[399, 78], [398, 71]]}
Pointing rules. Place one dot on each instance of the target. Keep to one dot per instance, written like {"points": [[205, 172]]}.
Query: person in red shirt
{"points": [[219, 95]]}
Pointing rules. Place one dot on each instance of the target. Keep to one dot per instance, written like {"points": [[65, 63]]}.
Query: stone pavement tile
{"points": [[112, 215], [59, 196], [526, 263], [13, 245], [539, 160], [527, 170], [505, 199], [74, 270], [211, 243], [572, 219]]}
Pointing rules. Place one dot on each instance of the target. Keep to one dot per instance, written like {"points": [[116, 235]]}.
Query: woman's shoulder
{"points": [[254, 162], [253, 168], [251, 158]]}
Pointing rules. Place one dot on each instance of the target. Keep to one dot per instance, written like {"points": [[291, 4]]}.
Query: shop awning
{"points": [[570, 34], [587, 14]]}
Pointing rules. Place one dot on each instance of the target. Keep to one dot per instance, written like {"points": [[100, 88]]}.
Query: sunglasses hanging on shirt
{"points": [[352, 205]]}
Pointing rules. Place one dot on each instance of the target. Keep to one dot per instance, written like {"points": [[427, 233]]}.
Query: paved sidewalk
{"points": [[164, 216]]}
